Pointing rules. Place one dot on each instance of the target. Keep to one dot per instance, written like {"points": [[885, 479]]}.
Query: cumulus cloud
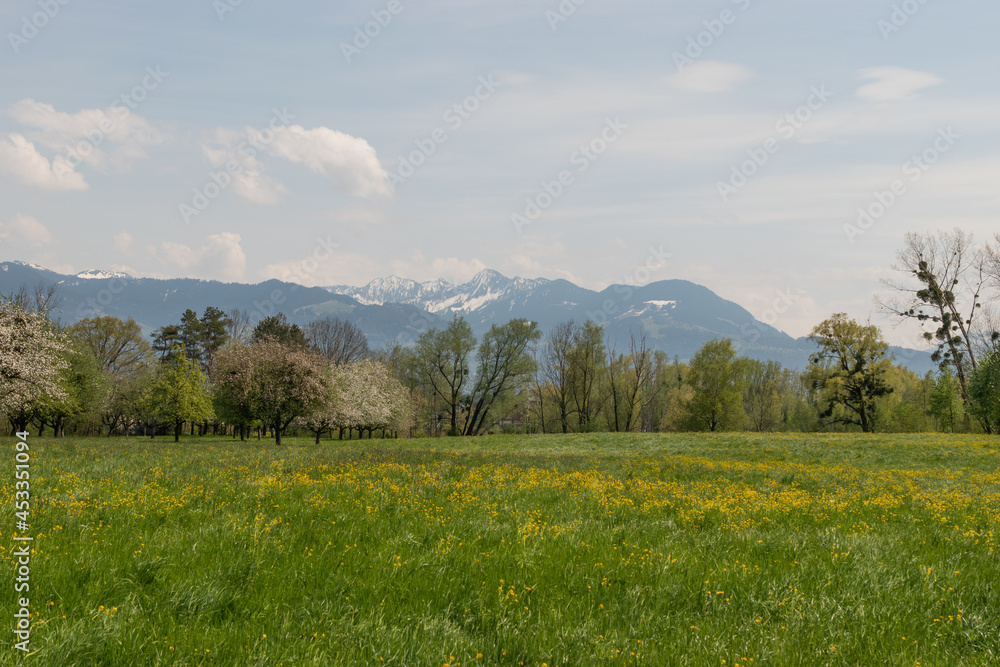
{"points": [[99, 138], [26, 229], [891, 84], [220, 258], [248, 180], [20, 159], [710, 76], [350, 163], [102, 138]]}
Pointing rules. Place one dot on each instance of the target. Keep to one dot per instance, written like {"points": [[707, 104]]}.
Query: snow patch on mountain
{"points": [[440, 296], [97, 274], [650, 308]]}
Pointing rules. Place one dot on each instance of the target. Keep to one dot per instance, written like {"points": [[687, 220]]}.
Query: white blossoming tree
{"points": [[32, 355], [367, 397]]}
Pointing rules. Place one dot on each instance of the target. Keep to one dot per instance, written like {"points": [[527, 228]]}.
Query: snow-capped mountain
{"points": [[442, 297], [97, 274], [675, 316]]}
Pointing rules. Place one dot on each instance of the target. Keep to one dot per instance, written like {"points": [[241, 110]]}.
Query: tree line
{"points": [[223, 373]]}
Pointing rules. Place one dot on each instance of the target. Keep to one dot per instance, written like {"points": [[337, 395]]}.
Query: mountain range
{"points": [[675, 316]]}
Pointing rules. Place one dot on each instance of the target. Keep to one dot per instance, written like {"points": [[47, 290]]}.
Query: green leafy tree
{"points": [[945, 401], [716, 401], [126, 399], [277, 328], [178, 392], [904, 410], [443, 364], [505, 366], [984, 393], [849, 372], [165, 340], [190, 334], [86, 391], [117, 346], [213, 334]]}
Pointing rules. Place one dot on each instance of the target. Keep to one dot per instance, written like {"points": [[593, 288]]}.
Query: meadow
{"points": [[718, 550]]}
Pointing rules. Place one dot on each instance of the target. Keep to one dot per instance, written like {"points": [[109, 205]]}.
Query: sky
{"points": [[775, 151]]}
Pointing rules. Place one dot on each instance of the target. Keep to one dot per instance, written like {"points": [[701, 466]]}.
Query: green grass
{"points": [[558, 550]]}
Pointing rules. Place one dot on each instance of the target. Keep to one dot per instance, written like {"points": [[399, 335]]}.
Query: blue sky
{"points": [[244, 141]]}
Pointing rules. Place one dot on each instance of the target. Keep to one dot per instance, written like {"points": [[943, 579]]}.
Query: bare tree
{"points": [[340, 341], [631, 385], [555, 369], [948, 275], [43, 299], [642, 387], [239, 326], [586, 372]]}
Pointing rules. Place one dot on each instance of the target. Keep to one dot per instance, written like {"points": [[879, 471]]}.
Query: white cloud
{"points": [[892, 84], [710, 76], [349, 162], [21, 159], [28, 230], [124, 242], [99, 138], [221, 258], [249, 180]]}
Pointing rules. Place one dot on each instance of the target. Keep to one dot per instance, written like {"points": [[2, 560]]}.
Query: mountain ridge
{"points": [[676, 316]]}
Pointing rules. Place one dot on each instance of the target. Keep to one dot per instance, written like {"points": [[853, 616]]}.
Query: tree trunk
{"points": [[177, 430]]}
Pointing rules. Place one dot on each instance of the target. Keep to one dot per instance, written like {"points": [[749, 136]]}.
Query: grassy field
{"points": [[551, 550]]}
